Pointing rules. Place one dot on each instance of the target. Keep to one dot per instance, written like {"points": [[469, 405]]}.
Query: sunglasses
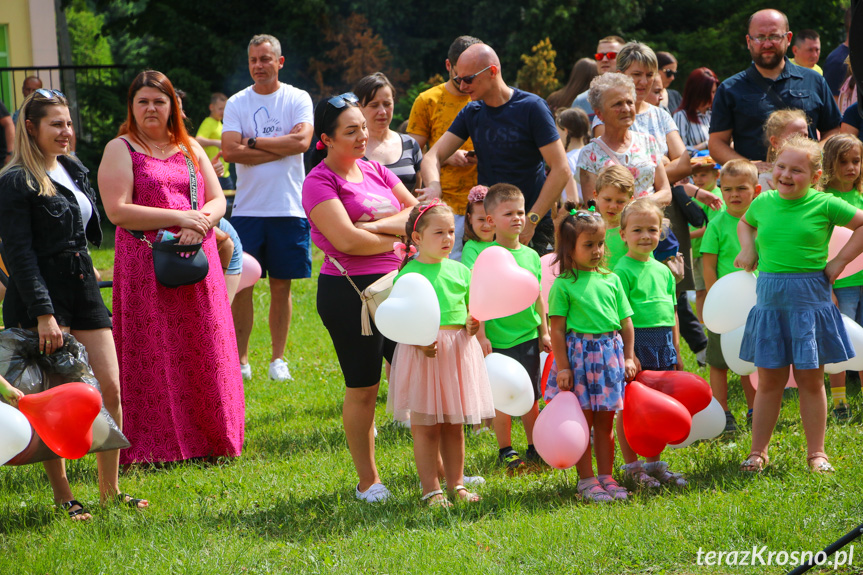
{"points": [[342, 100], [49, 93], [670, 73], [774, 38], [468, 79], [599, 56]]}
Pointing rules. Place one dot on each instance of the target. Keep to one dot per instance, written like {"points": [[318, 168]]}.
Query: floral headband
{"points": [[477, 194]]}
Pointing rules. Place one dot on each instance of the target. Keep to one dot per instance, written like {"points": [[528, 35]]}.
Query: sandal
{"points": [[755, 463], [823, 467], [635, 472], [659, 470], [126, 499], [613, 488], [67, 507], [434, 500], [463, 494], [592, 492]]}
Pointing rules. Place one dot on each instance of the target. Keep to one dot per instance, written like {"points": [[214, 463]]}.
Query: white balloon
{"points": [[511, 389], [411, 313], [728, 302], [15, 432], [730, 343], [855, 334], [706, 424], [101, 431]]}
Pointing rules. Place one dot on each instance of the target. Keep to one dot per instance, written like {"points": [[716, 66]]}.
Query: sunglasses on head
{"points": [[670, 73], [468, 79], [599, 56], [343, 100], [49, 93]]}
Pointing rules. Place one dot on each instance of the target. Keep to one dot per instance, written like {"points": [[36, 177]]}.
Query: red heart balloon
{"points": [[63, 417], [545, 371], [652, 419], [687, 388]]}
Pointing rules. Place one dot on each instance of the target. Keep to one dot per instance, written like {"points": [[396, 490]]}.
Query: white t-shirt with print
{"points": [[273, 189]]}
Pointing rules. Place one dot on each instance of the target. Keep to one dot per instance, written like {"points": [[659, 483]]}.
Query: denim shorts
{"points": [[236, 265], [281, 245], [850, 300]]}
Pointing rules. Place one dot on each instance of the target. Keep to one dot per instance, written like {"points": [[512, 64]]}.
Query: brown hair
{"points": [[569, 225], [576, 123], [417, 224], [740, 167], [475, 196], [835, 147], [367, 88], [618, 177], [500, 193]]}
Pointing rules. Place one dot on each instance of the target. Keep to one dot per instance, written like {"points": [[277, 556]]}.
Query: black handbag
{"points": [[171, 268]]}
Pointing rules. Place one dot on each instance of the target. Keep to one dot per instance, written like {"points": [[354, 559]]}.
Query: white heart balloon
{"points": [[730, 343], [855, 334], [728, 302], [511, 389], [15, 432], [706, 424], [411, 313]]}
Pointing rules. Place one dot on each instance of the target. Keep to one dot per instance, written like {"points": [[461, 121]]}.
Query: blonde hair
{"points": [[640, 206], [805, 145], [618, 177], [835, 147], [27, 157], [740, 167], [776, 124]]}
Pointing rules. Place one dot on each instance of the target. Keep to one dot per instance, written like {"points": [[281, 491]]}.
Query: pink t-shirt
{"points": [[366, 201]]}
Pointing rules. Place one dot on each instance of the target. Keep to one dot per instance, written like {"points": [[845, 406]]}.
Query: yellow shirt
{"points": [[816, 67], [431, 116], [212, 130]]}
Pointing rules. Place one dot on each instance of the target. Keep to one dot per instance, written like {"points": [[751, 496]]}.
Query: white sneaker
{"points": [[474, 480], [377, 492], [246, 370], [279, 371]]}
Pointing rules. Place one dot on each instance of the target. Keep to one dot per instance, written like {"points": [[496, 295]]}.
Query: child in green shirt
{"points": [[478, 231], [614, 189], [704, 174]]}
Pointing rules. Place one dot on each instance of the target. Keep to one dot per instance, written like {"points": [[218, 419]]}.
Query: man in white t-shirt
{"points": [[267, 128]]}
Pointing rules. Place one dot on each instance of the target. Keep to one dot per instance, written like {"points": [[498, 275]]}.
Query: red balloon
{"points": [[652, 419], [63, 417], [687, 388], [545, 370]]}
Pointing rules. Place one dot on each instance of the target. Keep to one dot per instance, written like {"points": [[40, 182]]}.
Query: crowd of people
{"points": [[617, 175]]}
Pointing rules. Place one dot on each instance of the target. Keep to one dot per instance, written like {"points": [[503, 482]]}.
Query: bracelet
{"points": [[695, 195]]}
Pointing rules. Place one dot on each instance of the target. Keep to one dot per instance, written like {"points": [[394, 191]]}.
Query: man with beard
{"points": [[744, 101], [431, 116]]}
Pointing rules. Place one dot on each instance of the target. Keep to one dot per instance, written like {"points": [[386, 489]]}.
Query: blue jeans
{"points": [[850, 300]]}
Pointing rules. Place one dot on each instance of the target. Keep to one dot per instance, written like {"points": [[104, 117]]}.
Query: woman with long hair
{"points": [[47, 215], [693, 115], [582, 73], [179, 369]]}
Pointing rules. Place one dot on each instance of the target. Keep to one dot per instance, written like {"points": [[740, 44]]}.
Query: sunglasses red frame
{"points": [[600, 55]]}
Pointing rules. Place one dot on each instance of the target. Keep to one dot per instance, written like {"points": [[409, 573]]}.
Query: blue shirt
{"points": [[852, 118], [582, 102], [742, 106], [507, 140], [835, 69]]}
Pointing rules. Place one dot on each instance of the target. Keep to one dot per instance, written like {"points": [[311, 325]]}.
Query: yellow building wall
{"points": [[15, 14]]}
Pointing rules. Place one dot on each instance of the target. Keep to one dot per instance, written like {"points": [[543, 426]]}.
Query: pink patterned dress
{"points": [[180, 380]]}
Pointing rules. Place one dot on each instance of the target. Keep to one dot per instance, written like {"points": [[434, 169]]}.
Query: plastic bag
{"points": [[27, 369]]}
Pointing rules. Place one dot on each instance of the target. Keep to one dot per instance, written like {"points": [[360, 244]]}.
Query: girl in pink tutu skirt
{"points": [[442, 386]]}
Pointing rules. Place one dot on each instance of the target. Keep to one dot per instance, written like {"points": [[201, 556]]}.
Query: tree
{"points": [[539, 74]]}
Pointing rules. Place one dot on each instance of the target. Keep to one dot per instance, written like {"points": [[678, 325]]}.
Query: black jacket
{"points": [[42, 230]]}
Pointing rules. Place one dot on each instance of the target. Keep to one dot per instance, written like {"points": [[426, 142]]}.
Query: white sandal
{"points": [[434, 500], [463, 494]]}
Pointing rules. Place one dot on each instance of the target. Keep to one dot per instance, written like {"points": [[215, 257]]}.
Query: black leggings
{"points": [[359, 355]]}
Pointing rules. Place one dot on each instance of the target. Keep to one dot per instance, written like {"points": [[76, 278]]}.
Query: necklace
{"points": [[158, 147]]}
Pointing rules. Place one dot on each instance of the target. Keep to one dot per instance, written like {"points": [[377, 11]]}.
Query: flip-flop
{"points": [[463, 494], [126, 499], [67, 507]]}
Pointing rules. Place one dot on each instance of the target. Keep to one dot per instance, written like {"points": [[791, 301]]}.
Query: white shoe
{"points": [[246, 370], [403, 423], [701, 357], [474, 480], [377, 492], [279, 371]]}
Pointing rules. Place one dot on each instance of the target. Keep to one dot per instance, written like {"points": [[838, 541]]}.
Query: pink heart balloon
{"points": [[561, 434], [838, 240], [550, 272], [499, 287]]}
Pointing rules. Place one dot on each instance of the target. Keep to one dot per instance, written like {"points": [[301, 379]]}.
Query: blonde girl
{"points": [[615, 187], [779, 126]]}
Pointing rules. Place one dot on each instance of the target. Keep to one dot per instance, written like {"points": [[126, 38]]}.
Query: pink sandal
{"points": [[592, 492], [613, 488]]}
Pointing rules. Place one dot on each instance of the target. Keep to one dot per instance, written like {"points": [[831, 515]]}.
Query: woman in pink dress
{"points": [[179, 370]]}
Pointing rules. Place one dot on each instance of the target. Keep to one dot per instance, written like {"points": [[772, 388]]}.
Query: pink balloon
{"points": [[753, 379], [251, 272], [561, 435], [549, 274], [499, 287], [838, 240]]}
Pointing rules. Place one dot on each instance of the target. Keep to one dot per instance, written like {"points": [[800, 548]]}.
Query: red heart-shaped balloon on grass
{"points": [[63, 417], [499, 287], [652, 419], [687, 388]]}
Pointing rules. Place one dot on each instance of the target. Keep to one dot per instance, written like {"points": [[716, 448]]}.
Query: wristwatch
{"points": [[533, 218], [252, 142]]}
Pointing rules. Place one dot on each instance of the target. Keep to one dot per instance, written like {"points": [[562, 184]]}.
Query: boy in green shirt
{"points": [[704, 174], [523, 335], [210, 137], [719, 248]]}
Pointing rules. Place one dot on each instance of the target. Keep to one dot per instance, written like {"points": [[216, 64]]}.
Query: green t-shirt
{"points": [[512, 330], [471, 250], [793, 234], [651, 290], [854, 198], [722, 240], [451, 282], [212, 130], [593, 302], [711, 215], [615, 248]]}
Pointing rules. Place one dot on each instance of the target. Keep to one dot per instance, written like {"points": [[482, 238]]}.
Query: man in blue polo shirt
{"points": [[515, 138], [744, 101]]}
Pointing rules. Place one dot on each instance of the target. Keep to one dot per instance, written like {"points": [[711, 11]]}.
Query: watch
{"points": [[533, 217], [251, 143]]}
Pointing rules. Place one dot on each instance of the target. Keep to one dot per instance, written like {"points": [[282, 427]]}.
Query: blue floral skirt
{"points": [[597, 368]]}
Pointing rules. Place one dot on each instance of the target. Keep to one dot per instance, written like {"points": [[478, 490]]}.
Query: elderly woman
{"points": [[357, 210], [399, 153], [693, 116]]}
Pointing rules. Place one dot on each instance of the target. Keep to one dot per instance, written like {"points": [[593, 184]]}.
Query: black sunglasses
{"points": [[670, 73], [468, 79], [342, 100], [49, 93]]}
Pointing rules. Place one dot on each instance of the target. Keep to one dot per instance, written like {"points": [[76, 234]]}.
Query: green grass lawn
{"points": [[287, 505]]}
